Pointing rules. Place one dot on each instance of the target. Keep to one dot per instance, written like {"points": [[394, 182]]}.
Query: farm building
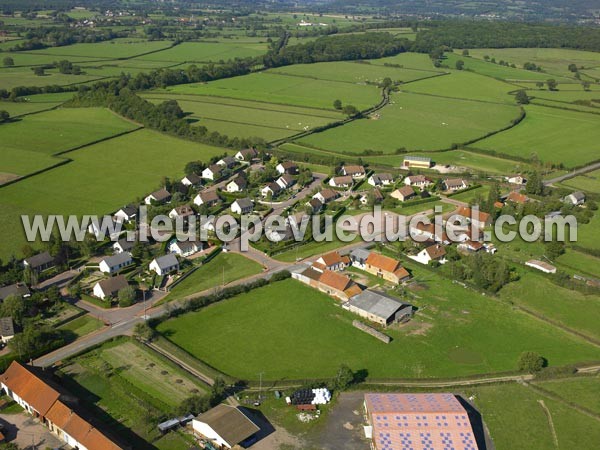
{"points": [[126, 214], [418, 421], [208, 198], [287, 167], [331, 261], [46, 404], [225, 426], [160, 196], [110, 287], [7, 329], [113, 264], [385, 267], [17, 289], [242, 206], [246, 155], [329, 282], [164, 265], [404, 193], [418, 162], [358, 257], [420, 181], [541, 265], [454, 184], [576, 198], [39, 262], [356, 172], [191, 180], [379, 308], [212, 172], [341, 182], [381, 179]]}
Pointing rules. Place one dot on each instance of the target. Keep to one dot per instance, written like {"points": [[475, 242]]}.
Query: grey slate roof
{"points": [[244, 203], [376, 303], [167, 261], [117, 259], [7, 327], [113, 285], [17, 289], [39, 260], [359, 254]]}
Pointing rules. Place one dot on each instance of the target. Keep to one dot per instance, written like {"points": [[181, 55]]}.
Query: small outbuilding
{"points": [[225, 426]]}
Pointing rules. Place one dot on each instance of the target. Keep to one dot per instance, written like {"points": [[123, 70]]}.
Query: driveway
{"points": [[28, 433], [344, 425]]}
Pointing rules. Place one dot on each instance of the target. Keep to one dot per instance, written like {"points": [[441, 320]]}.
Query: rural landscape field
{"points": [[169, 323]]}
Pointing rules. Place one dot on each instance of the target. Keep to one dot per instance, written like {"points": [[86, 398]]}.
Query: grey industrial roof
{"points": [[375, 303], [230, 423], [417, 158], [360, 253]]}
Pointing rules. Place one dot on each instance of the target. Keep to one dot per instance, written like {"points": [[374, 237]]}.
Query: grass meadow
{"points": [[225, 267], [82, 325], [35, 103], [100, 179], [554, 135], [202, 52], [304, 325], [416, 122], [588, 182], [588, 235]]}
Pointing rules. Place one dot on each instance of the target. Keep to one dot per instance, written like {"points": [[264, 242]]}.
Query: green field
{"points": [[224, 268], [588, 235], [572, 138], [493, 70], [201, 52], [35, 103], [554, 61], [583, 391], [352, 72], [516, 420], [416, 122], [131, 383], [588, 182], [94, 182], [579, 263], [465, 85], [479, 161], [10, 78], [473, 194], [418, 61], [233, 335], [570, 308], [272, 88]]}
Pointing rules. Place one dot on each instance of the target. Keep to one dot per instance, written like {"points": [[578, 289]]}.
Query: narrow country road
{"points": [[573, 174]]}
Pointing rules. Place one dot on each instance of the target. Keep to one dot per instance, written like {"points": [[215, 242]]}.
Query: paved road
{"points": [[573, 174]]}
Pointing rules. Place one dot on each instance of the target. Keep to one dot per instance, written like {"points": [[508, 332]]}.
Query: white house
{"points": [[326, 196], [576, 198], [225, 425], [160, 196], [420, 181], [454, 184], [381, 179], [479, 220], [105, 226], [212, 172], [184, 248], [272, 189], [164, 264], [287, 167], [227, 161], [285, 181], [181, 212], [113, 264], [435, 252], [359, 257], [356, 172], [246, 155], [344, 181], [208, 198], [126, 214], [237, 185], [242, 206], [110, 287], [125, 244], [191, 180], [516, 179]]}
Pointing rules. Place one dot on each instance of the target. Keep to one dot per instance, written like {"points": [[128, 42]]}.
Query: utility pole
{"points": [[260, 386]]}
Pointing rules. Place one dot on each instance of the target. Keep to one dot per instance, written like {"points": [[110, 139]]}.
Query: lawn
{"points": [[416, 122], [305, 325], [554, 135], [82, 325], [100, 179], [132, 384], [479, 162], [225, 267], [309, 249], [570, 308], [473, 194], [467, 85], [273, 88]]}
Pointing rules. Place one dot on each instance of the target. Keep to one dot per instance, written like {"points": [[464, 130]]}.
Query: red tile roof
{"points": [[29, 387], [332, 258], [467, 212], [335, 280], [516, 197], [383, 262]]}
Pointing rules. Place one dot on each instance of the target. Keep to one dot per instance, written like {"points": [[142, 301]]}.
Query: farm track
{"points": [[553, 396]]}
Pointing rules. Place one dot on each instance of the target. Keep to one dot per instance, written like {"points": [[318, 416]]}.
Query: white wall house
{"points": [[164, 265], [113, 264]]}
